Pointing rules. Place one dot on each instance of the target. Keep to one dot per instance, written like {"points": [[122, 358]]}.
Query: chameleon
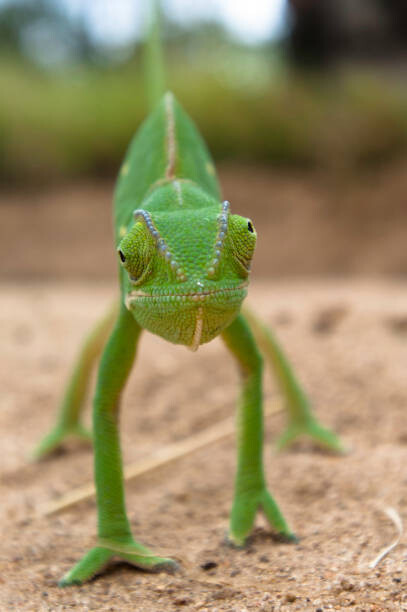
{"points": [[184, 263]]}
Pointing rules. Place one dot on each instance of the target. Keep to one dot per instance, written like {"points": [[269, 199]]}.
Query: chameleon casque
{"points": [[184, 263]]}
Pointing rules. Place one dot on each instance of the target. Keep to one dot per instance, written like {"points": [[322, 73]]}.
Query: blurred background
{"points": [[303, 104]]}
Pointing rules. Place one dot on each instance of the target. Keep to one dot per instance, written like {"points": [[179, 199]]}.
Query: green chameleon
{"points": [[184, 267]]}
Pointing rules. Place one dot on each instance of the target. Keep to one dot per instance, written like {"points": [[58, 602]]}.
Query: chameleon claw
{"points": [[319, 434], [57, 437], [244, 510], [95, 561]]}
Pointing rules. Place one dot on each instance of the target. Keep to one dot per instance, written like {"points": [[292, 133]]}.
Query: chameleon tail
{"points": [[153, 57]]}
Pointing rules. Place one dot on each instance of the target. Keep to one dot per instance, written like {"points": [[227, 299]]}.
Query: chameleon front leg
{"points": [[301, 419], [251, 493], [68, 423], [114, 534]]}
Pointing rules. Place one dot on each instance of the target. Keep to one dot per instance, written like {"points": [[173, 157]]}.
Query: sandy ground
{"points": [[348, 342]]}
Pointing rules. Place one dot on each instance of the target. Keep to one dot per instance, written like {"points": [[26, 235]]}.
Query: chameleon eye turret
{"points": [[243, 239], [136, 251]]}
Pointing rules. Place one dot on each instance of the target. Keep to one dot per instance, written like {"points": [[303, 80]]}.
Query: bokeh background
{"points": [[303, 104]]}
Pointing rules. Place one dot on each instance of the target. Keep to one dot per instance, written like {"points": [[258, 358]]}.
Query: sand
{"points": [[348, 342]]}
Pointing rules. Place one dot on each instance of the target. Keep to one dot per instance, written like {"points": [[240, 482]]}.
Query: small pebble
{"points": [[208, 565], [347, 585], [182, 601], [290, 597]]}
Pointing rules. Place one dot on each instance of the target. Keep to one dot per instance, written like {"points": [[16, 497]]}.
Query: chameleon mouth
{"points": [[193, 296]]}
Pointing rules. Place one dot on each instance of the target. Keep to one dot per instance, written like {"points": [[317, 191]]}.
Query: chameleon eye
{"points": [[242, 236], [136, 251]]}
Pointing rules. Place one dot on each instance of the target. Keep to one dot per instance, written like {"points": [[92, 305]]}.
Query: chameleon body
{"points": [[184, 262]]}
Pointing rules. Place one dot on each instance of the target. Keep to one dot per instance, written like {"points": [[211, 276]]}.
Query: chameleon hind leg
{"points": [[114, 534], [251, 492], [68, 423], [301, 419]]}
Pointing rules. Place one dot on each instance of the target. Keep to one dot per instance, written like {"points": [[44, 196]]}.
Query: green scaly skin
{"points": [[184, 268]]}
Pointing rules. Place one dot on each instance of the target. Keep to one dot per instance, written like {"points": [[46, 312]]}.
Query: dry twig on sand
{"points": [[397, 522], [162, 457]]}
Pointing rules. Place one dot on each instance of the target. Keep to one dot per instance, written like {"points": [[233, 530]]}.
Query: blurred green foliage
{"points": [[69, 107], [79, 123]]}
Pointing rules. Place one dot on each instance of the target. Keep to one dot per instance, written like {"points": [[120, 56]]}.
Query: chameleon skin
{"points": [[184, 268]]}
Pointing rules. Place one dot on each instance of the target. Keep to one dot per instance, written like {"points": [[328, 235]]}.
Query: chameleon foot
{"points": [[310, 427], [57, 437], [97, 558], [244, 512]]}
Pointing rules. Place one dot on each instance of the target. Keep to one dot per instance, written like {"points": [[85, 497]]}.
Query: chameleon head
{"points": [[187, 271]]}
